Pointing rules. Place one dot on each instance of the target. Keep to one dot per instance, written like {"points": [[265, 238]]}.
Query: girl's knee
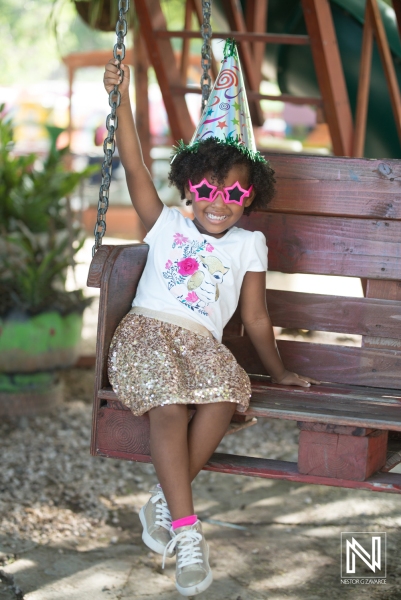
{"points": [[169, 412]]}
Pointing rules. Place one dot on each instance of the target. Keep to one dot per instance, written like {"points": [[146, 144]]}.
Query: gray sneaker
{"points": [[156, 521], [193, 573]]}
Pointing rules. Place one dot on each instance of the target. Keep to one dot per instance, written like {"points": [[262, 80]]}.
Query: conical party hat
{"points": [[226, 116]]}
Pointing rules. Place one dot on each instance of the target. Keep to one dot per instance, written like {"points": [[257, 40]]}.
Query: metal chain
{"points": [[206, 61], [109, 143]]}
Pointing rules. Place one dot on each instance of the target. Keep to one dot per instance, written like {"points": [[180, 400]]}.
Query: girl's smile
{"points": [[214, 218]]}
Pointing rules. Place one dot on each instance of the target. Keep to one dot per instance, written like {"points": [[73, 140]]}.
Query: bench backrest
{"points": [[334, 216], [330, 216]]}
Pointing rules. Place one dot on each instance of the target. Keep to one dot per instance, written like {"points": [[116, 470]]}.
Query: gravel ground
{"points": [[69, 526], [51, 488]]}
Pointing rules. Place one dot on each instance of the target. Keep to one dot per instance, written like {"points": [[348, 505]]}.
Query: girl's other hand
{"points": [[112, 76], [289, 378]]}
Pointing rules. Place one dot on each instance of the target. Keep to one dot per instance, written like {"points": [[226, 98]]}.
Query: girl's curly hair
{"points": [[218, 158]]}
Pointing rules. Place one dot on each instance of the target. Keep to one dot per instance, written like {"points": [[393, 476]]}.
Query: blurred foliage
{"points": [[53, 29], [26, 26], [39, 236]]}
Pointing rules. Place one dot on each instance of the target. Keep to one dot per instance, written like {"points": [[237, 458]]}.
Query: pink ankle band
{"points": [[184, 521]]}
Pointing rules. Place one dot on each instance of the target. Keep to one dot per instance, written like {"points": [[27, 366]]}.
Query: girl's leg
{"points": [[205, 432], [169, 451]]}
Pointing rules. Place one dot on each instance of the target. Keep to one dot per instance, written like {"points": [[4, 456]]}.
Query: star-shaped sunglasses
{"points": [[234, 194]]}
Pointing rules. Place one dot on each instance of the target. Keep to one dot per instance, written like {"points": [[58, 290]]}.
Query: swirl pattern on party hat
{"points": [[226, 116]]}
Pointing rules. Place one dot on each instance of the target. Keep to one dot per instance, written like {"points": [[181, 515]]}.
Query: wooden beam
{"points": [[236, 21], [161, 55], [268, 38], [384, 290], [256, 20], [141, 97], [330, 75], [186, 43], [256, 96], [388, 66], [364, 84]]}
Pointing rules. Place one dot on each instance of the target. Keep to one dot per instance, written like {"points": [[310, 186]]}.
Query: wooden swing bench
{"points": [[330, 216]]}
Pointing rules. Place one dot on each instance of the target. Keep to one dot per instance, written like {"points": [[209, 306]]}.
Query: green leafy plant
{"points": [[39, 235]]}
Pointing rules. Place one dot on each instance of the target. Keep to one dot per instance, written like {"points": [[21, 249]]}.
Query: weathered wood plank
{"points": [[330, 245], [330, 428], [382, 289], [120, 276], [330, 363], [336, 186], [335, 404], [279, 469], [361, 316], [275, 469], [96, 266]]}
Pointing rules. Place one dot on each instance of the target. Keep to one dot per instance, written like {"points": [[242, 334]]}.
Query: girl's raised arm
{"points": [[142, 191]]}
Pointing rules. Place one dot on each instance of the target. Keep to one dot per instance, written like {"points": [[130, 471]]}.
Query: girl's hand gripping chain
{"points": [[113, 76], [140, 185]]}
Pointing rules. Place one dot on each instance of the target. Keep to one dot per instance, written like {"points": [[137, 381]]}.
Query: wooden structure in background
{"points": [[330, 216], [374, 27], [250, 30]]}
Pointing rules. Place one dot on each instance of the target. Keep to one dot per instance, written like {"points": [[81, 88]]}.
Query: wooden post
{"points": [[141, 97], [387, 61], [384, 290], [161, 55], [237, 23], [363, 86], [186, 43], [330, 75], [256, 21]]}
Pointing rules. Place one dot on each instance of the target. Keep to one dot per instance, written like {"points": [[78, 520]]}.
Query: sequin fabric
{"points": [[152, 363]]}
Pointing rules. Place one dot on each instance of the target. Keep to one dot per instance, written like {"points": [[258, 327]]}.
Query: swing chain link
{"points": [[109, 143], [206, 61]]}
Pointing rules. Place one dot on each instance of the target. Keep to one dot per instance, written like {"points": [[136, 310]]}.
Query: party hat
{"points": [[226, 115]]}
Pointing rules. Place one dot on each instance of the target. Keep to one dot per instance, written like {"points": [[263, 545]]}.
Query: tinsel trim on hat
{"points": [[234, 142]]}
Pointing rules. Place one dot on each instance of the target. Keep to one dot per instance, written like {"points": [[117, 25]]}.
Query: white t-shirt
{"points": [[194, 275]]}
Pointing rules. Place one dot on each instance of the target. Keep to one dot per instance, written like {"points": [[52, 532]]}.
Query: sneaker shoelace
{"points": [[163, 516], [189, 552]]}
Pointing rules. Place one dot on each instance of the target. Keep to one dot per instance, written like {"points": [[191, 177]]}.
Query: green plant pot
{"points": [[40, 343], [104, 21]]}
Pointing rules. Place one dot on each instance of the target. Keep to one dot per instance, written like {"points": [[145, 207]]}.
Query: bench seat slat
{"points": [[338, 364], [330, 245], [362, 316], [326, 403], [303, 405]]}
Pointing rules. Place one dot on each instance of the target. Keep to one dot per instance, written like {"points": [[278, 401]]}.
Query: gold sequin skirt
{"points": [[153, 363]]}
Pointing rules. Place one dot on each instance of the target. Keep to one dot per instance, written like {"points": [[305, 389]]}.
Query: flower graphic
{"points": [[179, 239], [168, 264], [188, 266], [192, 297], [209, 248]]}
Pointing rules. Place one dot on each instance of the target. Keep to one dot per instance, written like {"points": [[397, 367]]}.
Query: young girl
{"points": [[167, 352]]}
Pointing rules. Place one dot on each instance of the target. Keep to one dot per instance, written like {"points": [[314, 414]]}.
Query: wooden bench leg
{"points": [[339, 451]]}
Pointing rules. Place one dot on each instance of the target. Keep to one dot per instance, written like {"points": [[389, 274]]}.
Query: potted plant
{"points": [[40, 322], [98, 14]]}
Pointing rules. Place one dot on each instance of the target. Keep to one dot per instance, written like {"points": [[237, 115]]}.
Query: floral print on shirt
{"points": [[193, 274]]}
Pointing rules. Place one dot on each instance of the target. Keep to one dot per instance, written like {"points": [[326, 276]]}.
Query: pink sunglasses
{"points": [[234, 194]]}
